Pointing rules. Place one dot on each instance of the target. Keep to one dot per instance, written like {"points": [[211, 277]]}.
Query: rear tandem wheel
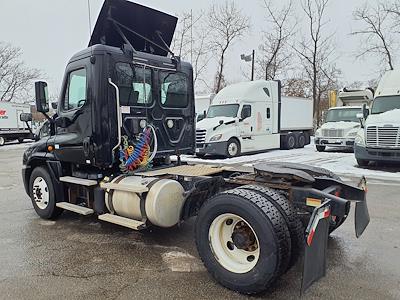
{"points": [[243, 240]]}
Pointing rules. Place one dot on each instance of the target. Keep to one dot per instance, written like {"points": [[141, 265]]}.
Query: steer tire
{"points": [[289, 213], [268, 226], [50, 211]]}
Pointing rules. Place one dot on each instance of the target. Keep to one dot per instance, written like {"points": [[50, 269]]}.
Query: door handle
{"points": [[86, 147]]}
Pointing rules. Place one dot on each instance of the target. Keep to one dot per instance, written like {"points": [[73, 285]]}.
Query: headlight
{"points": [[359, 140], [216, 138], [352, 134]]}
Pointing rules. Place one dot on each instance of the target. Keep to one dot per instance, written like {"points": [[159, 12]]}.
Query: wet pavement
{"points": [[81, 258]]}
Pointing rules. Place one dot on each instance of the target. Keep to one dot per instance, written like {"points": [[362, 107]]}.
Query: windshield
{"points": [[344, 115], [384, 104], [228, 110]]}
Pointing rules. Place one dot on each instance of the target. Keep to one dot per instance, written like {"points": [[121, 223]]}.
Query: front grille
{"points": [[385, 137], [334, 133], [200, 136]]}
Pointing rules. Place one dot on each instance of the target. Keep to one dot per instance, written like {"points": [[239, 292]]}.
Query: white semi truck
{"points": [[11, 125], [341, 123], [252, 117], [379, 137], [202, 103]]}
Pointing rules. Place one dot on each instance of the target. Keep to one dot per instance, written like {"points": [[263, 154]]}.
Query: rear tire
{"points": [[301, 140], [290, 141], [320, 148], [362, 162], [288, 211], [42, 194], [267, 224]]}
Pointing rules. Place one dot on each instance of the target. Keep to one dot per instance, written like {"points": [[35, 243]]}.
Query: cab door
{"points": [[246, 127], [74, 122]]}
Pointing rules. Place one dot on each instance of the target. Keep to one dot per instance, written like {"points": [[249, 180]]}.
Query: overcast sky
{"points": [[50, 32]]}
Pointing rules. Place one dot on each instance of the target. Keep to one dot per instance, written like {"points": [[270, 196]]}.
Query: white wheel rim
{"points": [[232, 149], [40, 192], [2, 141], [226, 251]]}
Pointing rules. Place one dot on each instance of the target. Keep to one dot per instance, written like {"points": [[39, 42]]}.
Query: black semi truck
{"points": [[126, 106]]}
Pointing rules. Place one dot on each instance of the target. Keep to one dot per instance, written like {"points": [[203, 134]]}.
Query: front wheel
{"points": [[42, 194], [362, 162], [243, 240], [232, 148]]}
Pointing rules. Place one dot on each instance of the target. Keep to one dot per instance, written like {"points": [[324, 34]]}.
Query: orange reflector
{"points": [[313, 202], [50, 148]]}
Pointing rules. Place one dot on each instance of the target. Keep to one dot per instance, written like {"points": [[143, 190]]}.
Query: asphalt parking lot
{"points": [[80, 258]]}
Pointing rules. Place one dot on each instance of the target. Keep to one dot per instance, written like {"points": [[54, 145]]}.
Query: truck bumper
{"points": [[217, 148], [335, 142], [376, 154]]}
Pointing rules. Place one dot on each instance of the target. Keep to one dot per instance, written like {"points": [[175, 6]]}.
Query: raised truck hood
{"points": [[389, 117], [140, 19], [209, 123]]}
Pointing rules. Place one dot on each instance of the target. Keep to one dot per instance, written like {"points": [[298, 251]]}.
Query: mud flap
{"points": [[361, 214], [317, 234]]}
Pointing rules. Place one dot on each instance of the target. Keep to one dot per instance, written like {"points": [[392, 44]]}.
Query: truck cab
{"points": [[379, 137], [341, 122], [125, 81], [251, 117]]}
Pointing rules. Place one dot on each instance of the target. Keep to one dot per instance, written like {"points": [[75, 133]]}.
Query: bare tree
{"points": [[15, 76], [378, 40], [297, 87], [275, 53], [315, 52], [226, 24], [191, 43]]}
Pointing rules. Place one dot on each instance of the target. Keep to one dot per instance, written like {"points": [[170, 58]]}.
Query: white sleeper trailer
{"points": [[252, 117], [11, 127]]}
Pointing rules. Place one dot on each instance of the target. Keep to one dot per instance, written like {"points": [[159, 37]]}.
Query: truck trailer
{"points": [[126, 104], [251, 117], [11, 126]]}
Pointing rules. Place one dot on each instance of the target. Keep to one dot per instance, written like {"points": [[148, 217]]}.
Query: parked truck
{"points": [[11, 126], [125, 106], [202, 103], [341, 123], [379, 138], [253, 116]]}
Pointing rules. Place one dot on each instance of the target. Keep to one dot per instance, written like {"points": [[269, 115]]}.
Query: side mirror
{"points": [[365, 111], [221, 122], [42, 99], [25, 117]]}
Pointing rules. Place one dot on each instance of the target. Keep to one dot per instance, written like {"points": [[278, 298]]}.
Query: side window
{"points": [[268, 113], [75, 94], [174, 90], [134, 85], [246, 112]]}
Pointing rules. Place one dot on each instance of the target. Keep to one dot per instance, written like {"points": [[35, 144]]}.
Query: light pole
{"points": [[248, 58]]}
